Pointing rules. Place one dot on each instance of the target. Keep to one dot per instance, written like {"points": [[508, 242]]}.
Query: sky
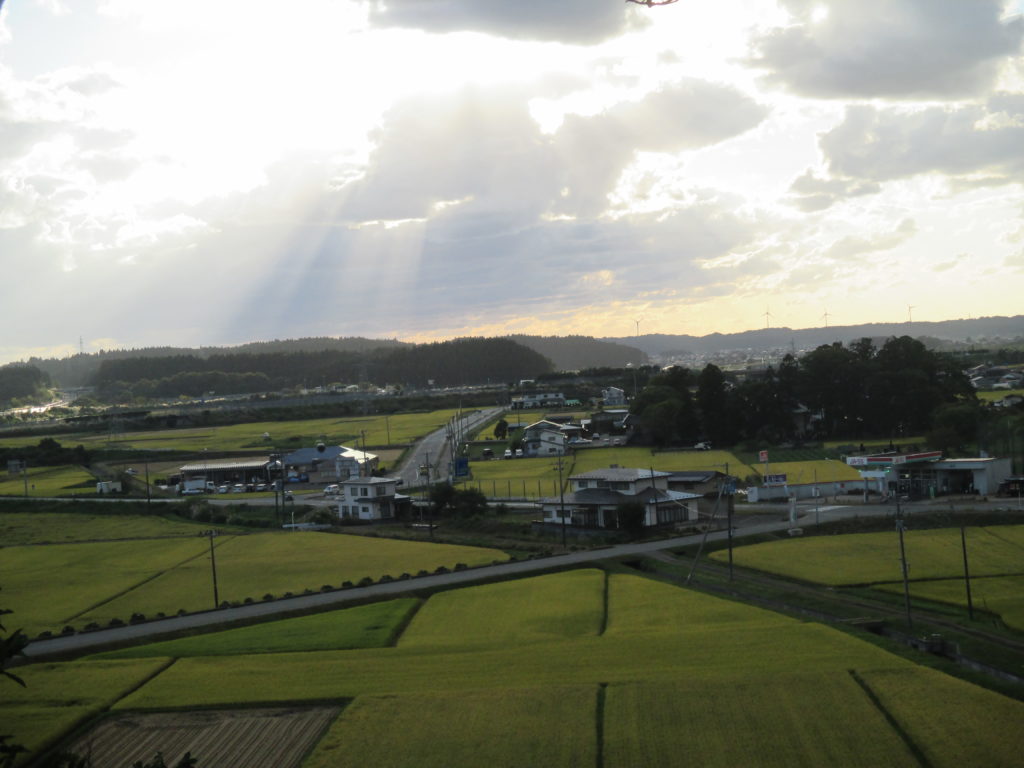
{"points": [[207, 172]]}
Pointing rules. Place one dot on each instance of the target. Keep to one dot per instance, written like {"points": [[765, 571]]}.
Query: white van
{"points": [[332, 490]]}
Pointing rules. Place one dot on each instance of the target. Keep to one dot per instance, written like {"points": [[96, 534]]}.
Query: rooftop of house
{"points": [[620, 474], [607, 497], [329, 453], [369, 481]]}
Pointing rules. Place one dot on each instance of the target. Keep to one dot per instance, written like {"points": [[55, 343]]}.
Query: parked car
{"points": [[238, 488], [262, 487], [508, 453], [332, 490], [519, 453], [222, 489]]}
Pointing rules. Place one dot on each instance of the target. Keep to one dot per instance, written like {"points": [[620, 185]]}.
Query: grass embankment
{"points": [[674, 675]]}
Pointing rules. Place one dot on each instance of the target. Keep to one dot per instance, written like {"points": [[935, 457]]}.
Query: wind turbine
{"points": [[767, 314], [910, 317], [826, 318]]}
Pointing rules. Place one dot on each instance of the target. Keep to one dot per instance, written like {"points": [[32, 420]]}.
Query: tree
{"points": [[468, 502], [11, 647], [501, 429]]}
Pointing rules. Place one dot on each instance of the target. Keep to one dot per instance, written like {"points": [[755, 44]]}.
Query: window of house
{"points": [[364, 491], [581, 483]]}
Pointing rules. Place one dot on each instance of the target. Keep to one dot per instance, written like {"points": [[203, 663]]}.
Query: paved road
{"points": [[433, 450], [139, 633]]}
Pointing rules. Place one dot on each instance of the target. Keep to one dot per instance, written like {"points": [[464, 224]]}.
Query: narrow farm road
{"points": [[89, 642]]}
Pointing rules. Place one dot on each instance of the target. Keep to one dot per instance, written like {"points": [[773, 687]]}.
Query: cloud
{"points": [[482, 146], [888, 48], [566, 21], [810, 193], [852, 246], [883, 144]]}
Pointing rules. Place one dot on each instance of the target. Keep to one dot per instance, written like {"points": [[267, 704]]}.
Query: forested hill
{"points": [[986, 331], [574, 353], [450, 363], [81, 370]]}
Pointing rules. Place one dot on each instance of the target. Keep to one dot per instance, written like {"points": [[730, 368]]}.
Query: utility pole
{"points": [[903, 564], [149, 495], [213, 565], [561, 499], [967, 574]]}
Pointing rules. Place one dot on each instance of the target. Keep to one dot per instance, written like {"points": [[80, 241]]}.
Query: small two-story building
{"points": [[544, 438], [370, 498], [595, 497]]}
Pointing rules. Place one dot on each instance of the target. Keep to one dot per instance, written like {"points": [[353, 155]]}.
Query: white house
{"points": [[613, 396], [369, 498], [595, 497], [544, 438]]}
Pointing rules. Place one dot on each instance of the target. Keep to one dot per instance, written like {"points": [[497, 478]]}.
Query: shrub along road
{"points": [[89, 642]]}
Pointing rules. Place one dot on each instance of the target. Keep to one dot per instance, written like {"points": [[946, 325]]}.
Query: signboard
{"points": [[14, 466], [763, 456], [857, 461], [462, 466], [774, 479]]}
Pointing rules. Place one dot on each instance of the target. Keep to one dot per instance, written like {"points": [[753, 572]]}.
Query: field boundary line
{"points": [[399, 629], [915, 750], [602, 690], [135, 586], [991, 531], [604, 606]]}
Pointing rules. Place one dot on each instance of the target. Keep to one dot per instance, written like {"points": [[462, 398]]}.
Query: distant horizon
{"points": [[618, 339]]}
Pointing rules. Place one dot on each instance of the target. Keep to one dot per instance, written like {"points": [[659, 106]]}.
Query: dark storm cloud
{"points": [[889, 48], [567, 21]]}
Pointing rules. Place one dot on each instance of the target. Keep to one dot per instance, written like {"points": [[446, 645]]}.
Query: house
{"points": [[613, 396], [538, 400], [595, 497], [329, 463], [603, 422], [370, 498], [544, 438]]}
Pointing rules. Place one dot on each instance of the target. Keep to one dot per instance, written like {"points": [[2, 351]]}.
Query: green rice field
{"points": [[49, 481], [871, 558], [18, 528], [1001, 595], [100, 581], [635, 671], [397, 429], [365, 626]]}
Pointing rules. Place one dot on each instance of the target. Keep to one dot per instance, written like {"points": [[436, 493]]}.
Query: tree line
{"points": [[439, 364], [19, 382], [834, 392]]}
